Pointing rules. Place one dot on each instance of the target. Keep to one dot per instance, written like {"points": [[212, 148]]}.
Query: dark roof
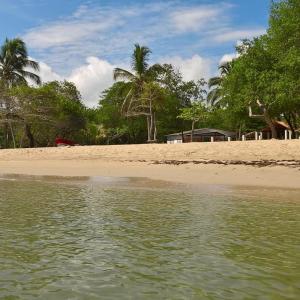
{"points": [[204, 131]]}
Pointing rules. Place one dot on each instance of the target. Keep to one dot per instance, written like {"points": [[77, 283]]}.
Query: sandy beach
{"points": [[267, 163]]}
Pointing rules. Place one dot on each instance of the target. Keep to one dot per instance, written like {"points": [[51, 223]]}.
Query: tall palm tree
{"points": [[14, 70], [140, 74], [14, 63], [139, 78], [215, 84]]}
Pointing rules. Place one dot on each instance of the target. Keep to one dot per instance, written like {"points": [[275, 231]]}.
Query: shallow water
{"points": [[89, 240]]}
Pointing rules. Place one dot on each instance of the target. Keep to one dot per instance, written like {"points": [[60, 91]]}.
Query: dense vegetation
{"points": [[148, 102]]}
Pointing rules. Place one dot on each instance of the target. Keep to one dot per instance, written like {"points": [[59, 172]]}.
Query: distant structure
{"points": [[280, 127], [201, 135], [283, 132]]}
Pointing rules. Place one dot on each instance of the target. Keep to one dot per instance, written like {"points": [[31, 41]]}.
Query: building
{"points": [[283, 131], [280, 127], [200, 135]]}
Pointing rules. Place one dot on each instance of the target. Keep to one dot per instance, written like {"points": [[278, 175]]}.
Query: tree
{"points": [[152, 99], [284, 44], [251, 81], [134, 104], [14, 63], [215, 84], [42, 113], [197, 112]]}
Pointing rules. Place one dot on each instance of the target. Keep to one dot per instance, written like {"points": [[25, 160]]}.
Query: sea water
{"points": [[124, 240]]}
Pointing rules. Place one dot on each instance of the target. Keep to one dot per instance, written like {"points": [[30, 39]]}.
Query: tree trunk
{"points": [[29, 135], [5, 133], [192, 132], [12, 135], [268, 119], [148, 128], [240, 132], [288, 119], [270, 123], [155, 128]]}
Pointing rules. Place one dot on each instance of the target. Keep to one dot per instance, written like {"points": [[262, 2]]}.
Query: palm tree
{"points": [[215, 84], [14, 70], [139, 78], [14, 63]]}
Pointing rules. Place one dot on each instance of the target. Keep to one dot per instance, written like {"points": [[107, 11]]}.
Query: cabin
{"points": [[200, 135], [281, 128]]}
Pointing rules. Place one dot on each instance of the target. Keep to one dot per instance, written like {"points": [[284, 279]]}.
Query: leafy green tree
{"points": [[196, 113], [43, 113], [117, 127], [284, 44], [251, 82]]}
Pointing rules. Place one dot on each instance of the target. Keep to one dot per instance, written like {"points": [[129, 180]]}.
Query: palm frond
{"points": [[14, 61], [140, 58], [35, 78], [123, 74], [214, 81], [33, 64], [225, 68], [214, 96]]}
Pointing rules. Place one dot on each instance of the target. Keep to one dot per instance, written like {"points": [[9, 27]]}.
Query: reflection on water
{"points": [[93, 241]]}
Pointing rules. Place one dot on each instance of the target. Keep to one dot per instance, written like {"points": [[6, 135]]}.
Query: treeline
{"points": [[144, 104]]}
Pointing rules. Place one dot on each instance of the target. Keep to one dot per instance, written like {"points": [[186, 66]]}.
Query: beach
{"points": [[269, 163]]}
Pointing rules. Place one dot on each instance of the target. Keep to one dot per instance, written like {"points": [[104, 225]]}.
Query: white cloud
{"points": [[92, 78], [193, 19], [83, 24], [193, 68], [235, 35], [47, 74], [227, 57]]}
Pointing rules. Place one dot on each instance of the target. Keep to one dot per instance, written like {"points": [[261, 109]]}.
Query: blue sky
{"points": [[83, 40]]}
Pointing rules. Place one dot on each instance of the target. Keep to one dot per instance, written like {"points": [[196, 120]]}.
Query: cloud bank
{"points": [[85, 46], [109, 32]]}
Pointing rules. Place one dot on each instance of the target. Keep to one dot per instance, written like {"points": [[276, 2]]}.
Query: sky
{"points": [[84, 40]]}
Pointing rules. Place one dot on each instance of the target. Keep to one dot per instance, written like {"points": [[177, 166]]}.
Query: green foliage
{"points": [[197, 112]]}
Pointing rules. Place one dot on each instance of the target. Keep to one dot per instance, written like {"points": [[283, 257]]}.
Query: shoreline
{"points": [[252, 163]]}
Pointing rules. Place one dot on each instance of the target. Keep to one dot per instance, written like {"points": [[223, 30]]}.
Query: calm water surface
{"points": [[93, 241]]}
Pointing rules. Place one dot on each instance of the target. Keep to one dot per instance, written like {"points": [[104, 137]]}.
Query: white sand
{"points": [[137, 161]]}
